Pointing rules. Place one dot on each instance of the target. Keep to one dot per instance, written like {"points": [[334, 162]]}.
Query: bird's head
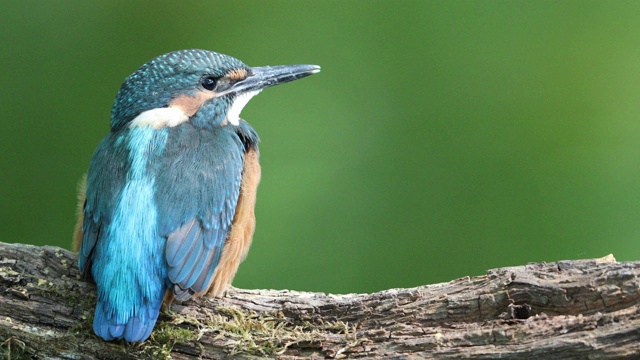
{"points": [[206, 88]]}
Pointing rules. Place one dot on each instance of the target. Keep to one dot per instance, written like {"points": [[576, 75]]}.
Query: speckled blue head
{"points": [[206, 86]]}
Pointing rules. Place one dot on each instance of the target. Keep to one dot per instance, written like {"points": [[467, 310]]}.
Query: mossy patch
{"points": [[239, 331]]}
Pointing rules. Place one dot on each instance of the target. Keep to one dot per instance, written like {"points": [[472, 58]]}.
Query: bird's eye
{"points": [[209, 82]]}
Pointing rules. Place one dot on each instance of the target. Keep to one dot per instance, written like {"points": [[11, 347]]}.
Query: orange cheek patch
{"points": [[237, 74], [191, 104]]}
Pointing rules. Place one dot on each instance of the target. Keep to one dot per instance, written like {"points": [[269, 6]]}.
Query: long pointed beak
{"points": [[266, 76]]}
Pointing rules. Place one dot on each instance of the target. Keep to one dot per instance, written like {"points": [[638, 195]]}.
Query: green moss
{"points": [[258, 334], [13, 349], [164, 337], [167, 334], [241, 331]]}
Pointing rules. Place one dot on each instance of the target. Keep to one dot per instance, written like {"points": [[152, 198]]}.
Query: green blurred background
{"points": [[441, 139]]}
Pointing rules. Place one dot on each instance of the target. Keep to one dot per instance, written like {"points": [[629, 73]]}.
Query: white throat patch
{"points": [[233, 115]]}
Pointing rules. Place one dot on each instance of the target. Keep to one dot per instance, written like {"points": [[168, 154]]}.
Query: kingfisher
{"points": [[166, 209]]}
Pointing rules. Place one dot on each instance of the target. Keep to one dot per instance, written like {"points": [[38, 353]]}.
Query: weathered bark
{"points": [[563, 310]]}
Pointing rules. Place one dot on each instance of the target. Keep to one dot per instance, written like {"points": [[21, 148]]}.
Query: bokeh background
{"points": [[441, 139]]}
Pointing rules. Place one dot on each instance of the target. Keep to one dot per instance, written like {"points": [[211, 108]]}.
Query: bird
{"points": [[166, 208]]}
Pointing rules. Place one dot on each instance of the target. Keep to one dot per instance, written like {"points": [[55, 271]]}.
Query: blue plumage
{"points": [[128, 257], [169, 193], [164, 186]]}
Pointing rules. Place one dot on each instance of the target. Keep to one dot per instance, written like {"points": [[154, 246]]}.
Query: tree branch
{"points": [[563, 310]]}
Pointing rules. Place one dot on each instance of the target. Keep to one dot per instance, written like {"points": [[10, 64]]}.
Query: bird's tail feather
{"points": [[137, 328]]}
